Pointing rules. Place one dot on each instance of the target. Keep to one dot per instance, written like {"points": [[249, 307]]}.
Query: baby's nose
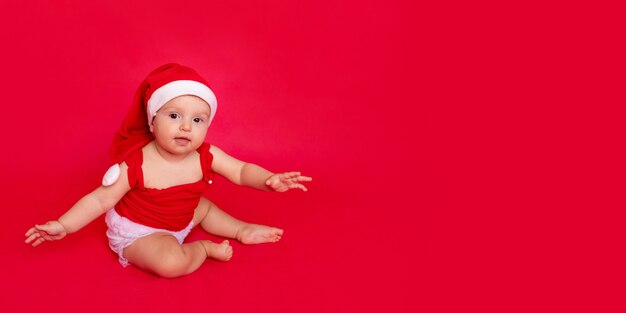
{"points": [[185, 125]]}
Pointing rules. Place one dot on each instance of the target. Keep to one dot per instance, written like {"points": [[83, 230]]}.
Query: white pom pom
{"points": [[111, 176]]}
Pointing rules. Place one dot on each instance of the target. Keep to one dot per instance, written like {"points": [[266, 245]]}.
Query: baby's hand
{"points": [[52, 230], [285, 181]]}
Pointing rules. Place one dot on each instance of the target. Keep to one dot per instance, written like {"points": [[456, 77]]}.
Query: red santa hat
{"points": [[162, 85]]}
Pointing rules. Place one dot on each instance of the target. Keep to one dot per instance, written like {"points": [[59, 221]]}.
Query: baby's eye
{"points": [[198, 120], [173, 115]]}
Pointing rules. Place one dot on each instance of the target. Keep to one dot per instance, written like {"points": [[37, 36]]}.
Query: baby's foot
{"points": [[222, 251], [253, 234]]}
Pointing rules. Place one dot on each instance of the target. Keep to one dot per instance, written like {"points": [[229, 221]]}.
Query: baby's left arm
{"points": [[252, 175]]}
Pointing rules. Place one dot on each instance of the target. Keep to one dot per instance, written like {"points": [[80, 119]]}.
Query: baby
{"points": [[153, 196]]}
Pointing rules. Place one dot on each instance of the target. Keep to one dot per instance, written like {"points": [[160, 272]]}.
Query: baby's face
{"points": [[180, 126]]}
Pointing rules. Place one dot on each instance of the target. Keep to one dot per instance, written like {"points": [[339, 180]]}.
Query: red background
{"points": [[465, 156]]}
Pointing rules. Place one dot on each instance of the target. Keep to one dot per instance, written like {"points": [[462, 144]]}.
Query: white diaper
{"points": [[123, 232]]}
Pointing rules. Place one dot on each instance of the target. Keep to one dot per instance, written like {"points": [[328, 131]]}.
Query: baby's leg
{"points": [[160, 253], [217, 222]]}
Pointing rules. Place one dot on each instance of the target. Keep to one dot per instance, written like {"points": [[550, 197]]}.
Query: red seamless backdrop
{"points": [[466, 157]]}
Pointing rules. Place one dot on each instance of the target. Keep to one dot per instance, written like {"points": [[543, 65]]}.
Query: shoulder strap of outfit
{"points": [[206, 159], [134, 162]]}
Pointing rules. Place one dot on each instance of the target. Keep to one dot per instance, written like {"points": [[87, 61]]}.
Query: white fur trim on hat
{"points": [[178, 88]]}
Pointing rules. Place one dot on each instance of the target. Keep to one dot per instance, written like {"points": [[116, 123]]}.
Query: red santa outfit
{"points": [[143, 211], [170, 208]]}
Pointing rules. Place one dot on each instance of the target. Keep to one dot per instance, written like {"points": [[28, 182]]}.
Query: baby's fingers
{"points": [[38, 242], [298, 186], [304, 178], [31, 231], [290, 175], [33, 237]]}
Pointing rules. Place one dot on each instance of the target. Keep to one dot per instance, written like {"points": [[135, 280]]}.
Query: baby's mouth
{"points": [[181, 141]]}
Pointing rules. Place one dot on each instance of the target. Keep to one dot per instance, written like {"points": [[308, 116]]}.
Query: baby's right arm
{"points": [[83, 212]]}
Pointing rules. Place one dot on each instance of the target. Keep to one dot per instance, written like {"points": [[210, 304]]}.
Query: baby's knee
{"points": [[173, 265]]}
